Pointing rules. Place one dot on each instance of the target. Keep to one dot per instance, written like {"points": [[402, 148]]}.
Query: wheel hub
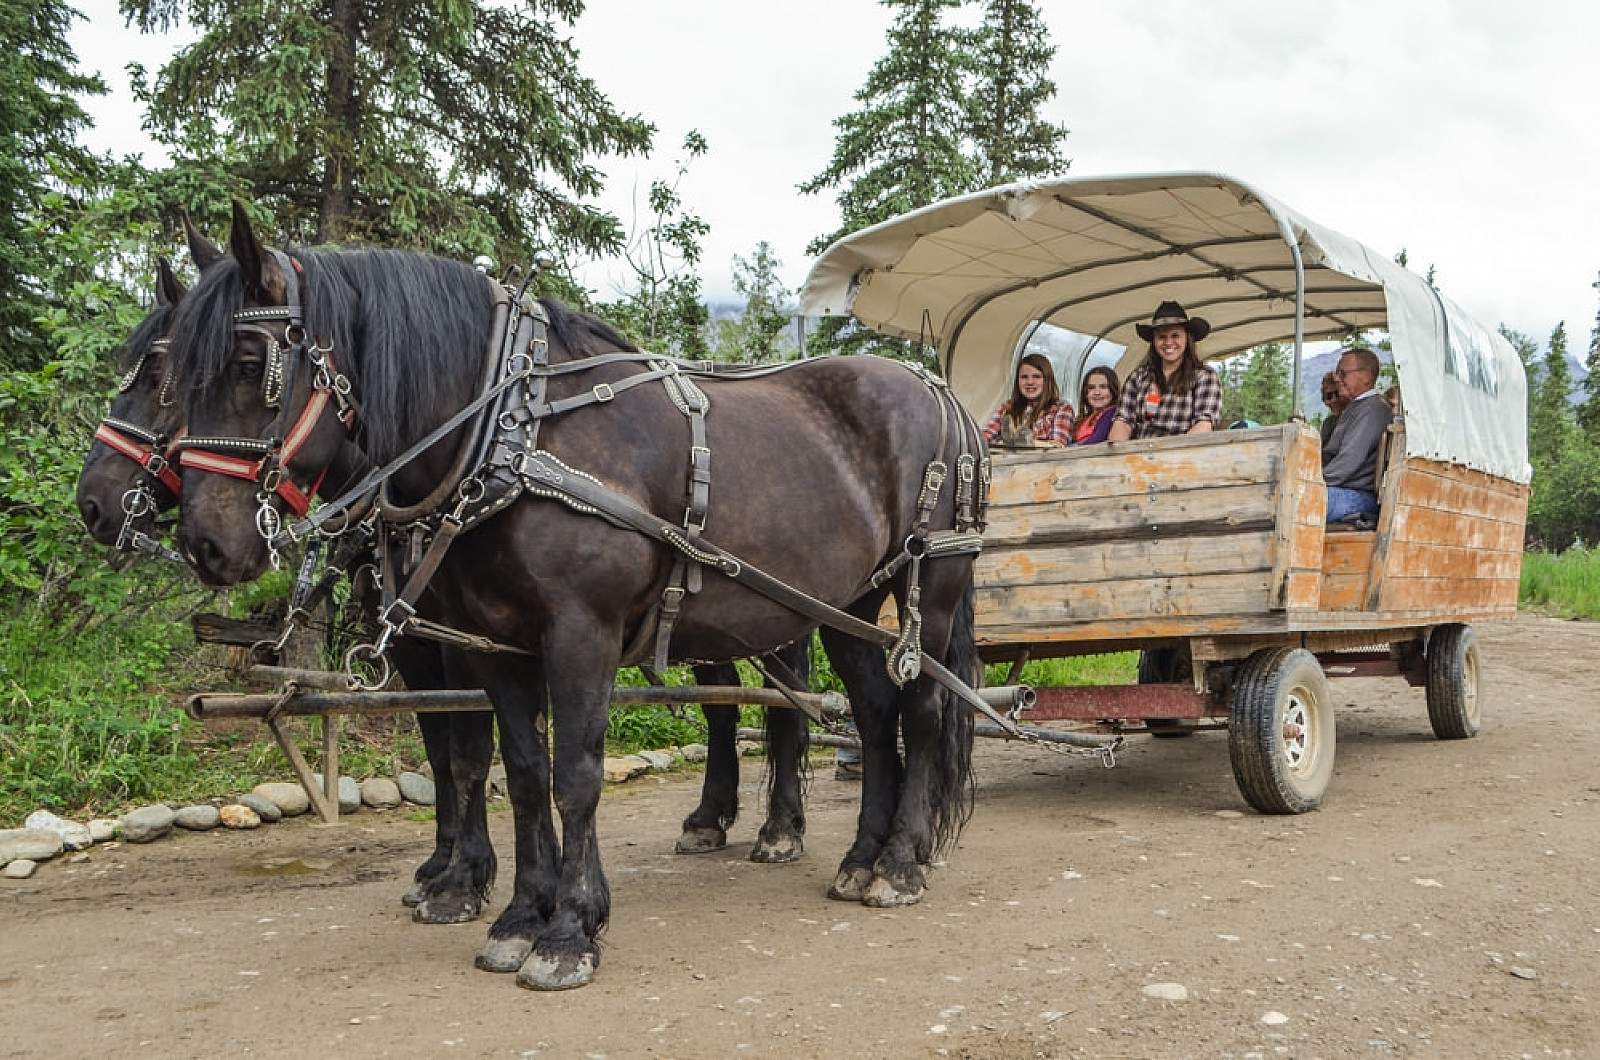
{"points": [[1296, 745]]}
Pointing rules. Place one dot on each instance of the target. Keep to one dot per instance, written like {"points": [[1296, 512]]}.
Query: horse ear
{"points": [[169, 289], [201, 250], [247, 251]]}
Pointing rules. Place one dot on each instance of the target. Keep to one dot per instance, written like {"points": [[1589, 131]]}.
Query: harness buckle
{"points": [[155, 463], [671, 598], [271, 478], [603, 392]]}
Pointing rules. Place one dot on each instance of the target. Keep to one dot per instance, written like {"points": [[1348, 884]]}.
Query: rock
{"points": [[237, 815], [74, 836], [201, 818], [265, 808], [103, 829], [19, 869], [380, 793], [34, 844], [657, 759], [349, 793], [414, 787], [497, 781], [1274, 1019], [1523, 973], [695, 752], [619, 770], [750, 747], [1167, 991], [290, 799], [426, 769], [1228, 814], [147, 823]]}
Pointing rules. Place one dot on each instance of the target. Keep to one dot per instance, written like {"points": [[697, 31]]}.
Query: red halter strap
{"points": [[118, 436]]}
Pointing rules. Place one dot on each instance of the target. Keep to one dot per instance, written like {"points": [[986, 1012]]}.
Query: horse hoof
{"points": [[413, 898], [850, 885], [562, 971], [885, 894], [503, 955], [445, 909], [701, 841], [777, 851]]}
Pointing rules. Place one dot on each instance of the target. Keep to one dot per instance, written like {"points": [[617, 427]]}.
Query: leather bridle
{"points": [[265, 461]]}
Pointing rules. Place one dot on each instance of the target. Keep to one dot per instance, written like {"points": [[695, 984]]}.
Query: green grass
{"points": [[1567, 584], [1115, 668]]}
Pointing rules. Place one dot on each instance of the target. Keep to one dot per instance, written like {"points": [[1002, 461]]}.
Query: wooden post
{"points": [[303, 772], [330, 765]]}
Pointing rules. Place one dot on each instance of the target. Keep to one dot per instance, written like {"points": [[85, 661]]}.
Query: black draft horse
{"points": [[817, 474], [451, 885]]}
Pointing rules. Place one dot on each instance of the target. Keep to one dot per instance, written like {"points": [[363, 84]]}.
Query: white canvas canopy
{"points": [[972, 275]]}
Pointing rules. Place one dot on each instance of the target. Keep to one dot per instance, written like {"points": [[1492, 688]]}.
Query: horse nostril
{"points": [[90, 511]]}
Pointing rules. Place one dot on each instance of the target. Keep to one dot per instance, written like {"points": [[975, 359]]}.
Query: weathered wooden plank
{"points": [[1430, 489], [1219, 594], [1414, 559], [1447, 594], [1471, 476], [1306, 547], [1348, 552], [1105, 561], [1432, 526], [1181, 509], [1304, 590], [1343, 592], [1104, 471]]}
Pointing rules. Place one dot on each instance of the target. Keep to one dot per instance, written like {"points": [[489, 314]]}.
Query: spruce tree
{"points": [[903, 148], [41, 162], [1551, 426], [1011, 138], [1589, 411], [768, 308], [462, 127]]}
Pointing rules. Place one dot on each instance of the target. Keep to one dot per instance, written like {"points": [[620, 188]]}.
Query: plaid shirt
{"points": [[1152, 414], [1053, 425]]}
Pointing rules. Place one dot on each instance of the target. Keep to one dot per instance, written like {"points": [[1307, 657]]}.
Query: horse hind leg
{"points": [[706, 827], [782, 835]]}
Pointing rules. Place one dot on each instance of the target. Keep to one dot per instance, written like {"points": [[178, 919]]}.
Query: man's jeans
{"points": [[1345, 503]]}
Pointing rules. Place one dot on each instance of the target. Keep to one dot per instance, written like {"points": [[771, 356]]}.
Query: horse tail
{"points": [[954, 786]]}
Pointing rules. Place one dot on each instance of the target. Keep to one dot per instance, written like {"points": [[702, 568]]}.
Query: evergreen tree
{"points": [[1589, 411], [463, 127], [1258, 386], [1013, 52], [41, 165], [903, 148], [768, 309], [1551, 426]]}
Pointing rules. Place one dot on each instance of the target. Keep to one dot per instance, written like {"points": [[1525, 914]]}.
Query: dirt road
{"points": [[1442, 903]]}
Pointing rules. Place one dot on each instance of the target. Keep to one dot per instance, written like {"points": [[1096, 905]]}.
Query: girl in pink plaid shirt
{"points": [[1035, 410]]}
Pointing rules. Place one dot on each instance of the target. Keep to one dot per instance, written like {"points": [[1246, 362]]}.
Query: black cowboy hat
{"points": [[1173, 313]]}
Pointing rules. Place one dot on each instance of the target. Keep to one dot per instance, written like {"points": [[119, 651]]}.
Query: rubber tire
{"points": [[1160, 666], [1261, 698], [1454, 674]]}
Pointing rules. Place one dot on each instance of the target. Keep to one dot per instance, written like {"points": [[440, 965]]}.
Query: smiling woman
{"points": [[1035, 411], [1173, 391]]}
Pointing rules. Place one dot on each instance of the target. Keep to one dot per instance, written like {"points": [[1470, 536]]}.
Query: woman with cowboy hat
{"points": [[1172, 391]]}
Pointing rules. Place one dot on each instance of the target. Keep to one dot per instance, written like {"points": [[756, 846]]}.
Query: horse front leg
{"points": [[457, 893], [782, 836], [421, 668], [582, 656], [872, 702], [706, 827], [516, 686]]}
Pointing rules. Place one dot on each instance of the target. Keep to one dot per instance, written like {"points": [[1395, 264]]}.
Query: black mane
{"points": [[400, 323], [137, 344]]}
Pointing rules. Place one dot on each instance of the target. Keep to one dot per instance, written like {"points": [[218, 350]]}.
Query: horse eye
{"points": [[249, 370]]}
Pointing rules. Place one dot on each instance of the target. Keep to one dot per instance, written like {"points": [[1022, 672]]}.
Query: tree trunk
{"points": [[343, 124]]}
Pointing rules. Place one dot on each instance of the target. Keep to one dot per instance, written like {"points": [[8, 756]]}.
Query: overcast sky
{"points": [[1458, 129]]}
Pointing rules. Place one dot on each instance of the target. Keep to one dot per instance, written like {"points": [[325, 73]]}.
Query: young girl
{"points": [[1035, 409], [1098, 400]]}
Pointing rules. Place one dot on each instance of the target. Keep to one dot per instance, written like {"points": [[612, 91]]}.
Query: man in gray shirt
{"points": [[1350, 457]]}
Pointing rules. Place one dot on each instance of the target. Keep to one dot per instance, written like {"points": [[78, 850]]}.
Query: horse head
{"points": [[266, 408]]}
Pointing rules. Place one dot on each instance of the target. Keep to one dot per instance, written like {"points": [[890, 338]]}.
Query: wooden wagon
{"points": [[1210, 552]]}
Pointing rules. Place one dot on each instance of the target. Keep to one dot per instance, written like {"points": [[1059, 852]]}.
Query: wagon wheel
{"points": [[1160, 666], [1281, 733], [1452, 660]]}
